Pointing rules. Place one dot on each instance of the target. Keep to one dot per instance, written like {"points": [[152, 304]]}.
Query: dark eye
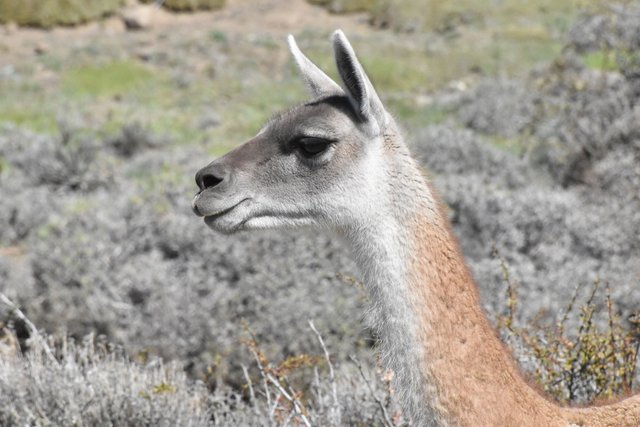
{"points": [[311, 147]]}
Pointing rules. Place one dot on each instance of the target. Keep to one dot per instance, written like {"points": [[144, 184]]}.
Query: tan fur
{"points": [[476, 378], [450, 368]]}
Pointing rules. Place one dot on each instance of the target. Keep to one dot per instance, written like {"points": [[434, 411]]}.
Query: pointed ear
{"points": [[361, 93], [316, 80]]}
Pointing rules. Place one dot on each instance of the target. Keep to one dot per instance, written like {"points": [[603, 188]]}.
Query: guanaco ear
{"points": [[361, 93], [316, 80]]}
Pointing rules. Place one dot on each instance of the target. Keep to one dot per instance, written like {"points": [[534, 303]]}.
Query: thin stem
{"points": [[290, 397], [332, 377], [387, 420], [265, 385]]}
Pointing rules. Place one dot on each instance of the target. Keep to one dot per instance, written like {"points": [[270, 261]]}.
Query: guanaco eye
{"points": [[311, 146]]}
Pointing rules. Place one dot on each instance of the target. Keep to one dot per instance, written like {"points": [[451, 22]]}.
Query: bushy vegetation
{"points": [[191, 5], [92, 382], [591, 364], [49, 13], [446, 16], [113, 248], [345, 6], [98, 235], [596, 360]]}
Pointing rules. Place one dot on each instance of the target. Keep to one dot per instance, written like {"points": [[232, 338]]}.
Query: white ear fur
{"points": [[358, 87], [316, 80]]}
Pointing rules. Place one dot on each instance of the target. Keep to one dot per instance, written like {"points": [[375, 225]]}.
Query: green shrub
{"points": [[345, 6], [48, 13], [190, 5], [597, 361]]}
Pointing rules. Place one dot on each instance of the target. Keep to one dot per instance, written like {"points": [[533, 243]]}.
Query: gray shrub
{"points": [[107, 244]]}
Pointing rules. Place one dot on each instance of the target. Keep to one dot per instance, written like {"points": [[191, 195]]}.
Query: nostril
{"points": [[209, 176], [209, 181]]}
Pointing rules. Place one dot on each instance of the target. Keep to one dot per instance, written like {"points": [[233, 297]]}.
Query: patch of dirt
{"points": [[245, 19]]}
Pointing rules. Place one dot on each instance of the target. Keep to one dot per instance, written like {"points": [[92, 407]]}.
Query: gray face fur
{"points": [[316, 164], [361, 182]]}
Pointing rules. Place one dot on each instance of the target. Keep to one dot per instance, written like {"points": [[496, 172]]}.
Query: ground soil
{"points": [[237, 18]]}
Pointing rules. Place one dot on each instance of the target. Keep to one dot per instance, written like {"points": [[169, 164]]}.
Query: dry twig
{"points": [[385, 415], [32, 328]]}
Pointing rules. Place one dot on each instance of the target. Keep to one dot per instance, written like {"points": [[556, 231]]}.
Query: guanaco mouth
{"points": [[213, 215]]}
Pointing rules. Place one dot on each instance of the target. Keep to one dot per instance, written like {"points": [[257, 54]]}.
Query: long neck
{"points": [[449, 366]]}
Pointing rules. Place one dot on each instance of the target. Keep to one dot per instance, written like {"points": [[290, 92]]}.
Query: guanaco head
{"points": [[319, 163]]}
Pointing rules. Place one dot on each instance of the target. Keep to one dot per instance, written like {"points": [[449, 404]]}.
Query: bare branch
{"points": [[387, 420], [265, 385], [32, 328], [290, 397], [332, 377], [252, 395]]}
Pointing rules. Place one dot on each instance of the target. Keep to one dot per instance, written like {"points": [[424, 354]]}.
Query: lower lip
{"points": [[212, 217], [210, 220]]}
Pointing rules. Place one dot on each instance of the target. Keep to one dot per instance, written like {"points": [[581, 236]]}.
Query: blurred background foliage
{"points": [[192, 5], [525, 114], [436, 43], [49, 13]]}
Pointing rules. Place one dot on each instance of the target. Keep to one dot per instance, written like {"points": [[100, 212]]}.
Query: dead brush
{"points": [[286, 405], [288, 395], [594, 362]]}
